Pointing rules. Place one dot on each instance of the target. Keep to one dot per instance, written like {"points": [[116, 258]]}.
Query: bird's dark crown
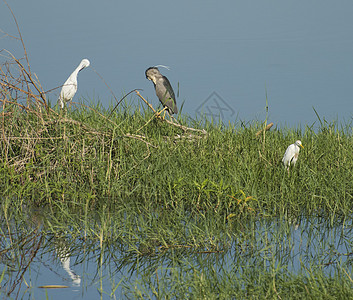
{"points": [[151, 68]]}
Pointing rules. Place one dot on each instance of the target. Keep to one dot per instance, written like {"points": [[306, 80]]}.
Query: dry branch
{"points": [[184, 128], [264, 129]]}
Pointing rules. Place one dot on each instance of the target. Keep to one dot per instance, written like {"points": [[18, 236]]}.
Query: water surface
{"points": [[35, 257], [299, 53]]}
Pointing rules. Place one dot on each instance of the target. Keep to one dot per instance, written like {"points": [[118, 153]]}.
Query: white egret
{"points": [[291, 155], [69, 88]]}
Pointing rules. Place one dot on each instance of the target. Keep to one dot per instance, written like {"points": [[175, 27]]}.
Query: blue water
{"points": [[277, 246], [300, 53]]}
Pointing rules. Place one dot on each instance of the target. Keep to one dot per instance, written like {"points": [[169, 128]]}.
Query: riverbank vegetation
{"points": [[84, 157], [170, 200]]}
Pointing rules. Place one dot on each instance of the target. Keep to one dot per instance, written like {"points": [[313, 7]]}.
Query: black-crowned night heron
{"points": [[164, 90], [69, 88], [291, 155]]}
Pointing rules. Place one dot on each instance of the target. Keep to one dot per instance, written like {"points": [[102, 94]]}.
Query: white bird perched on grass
{"points": [[291, 155], [69, 88]]}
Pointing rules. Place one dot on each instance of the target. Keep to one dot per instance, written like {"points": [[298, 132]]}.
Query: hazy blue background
{"points": [[299, 51]]}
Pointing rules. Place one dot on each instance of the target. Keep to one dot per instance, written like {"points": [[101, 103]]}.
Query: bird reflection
{"points": [[65, 259]]}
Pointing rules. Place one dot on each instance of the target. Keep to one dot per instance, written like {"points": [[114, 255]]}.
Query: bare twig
{"points": [[9, 35], [19, 32], [203, 131], [144, 100], [264, 129], [135, 90], [140, 138], [29, 76]]}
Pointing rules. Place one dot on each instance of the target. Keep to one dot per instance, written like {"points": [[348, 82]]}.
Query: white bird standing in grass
{"points": [[291, 155], [69, 88]]}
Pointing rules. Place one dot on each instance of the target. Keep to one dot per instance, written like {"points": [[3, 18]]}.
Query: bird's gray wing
{"points": [[169, 96], [168, 87]]}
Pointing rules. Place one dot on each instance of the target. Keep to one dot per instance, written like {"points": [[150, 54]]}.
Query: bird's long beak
{"points": [[301, 146]]}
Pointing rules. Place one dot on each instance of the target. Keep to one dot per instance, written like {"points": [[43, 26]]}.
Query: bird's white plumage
{"points": [[69, 88], [291, 155]]}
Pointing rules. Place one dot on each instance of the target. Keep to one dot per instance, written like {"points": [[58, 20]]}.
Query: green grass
{"points": [[168, 209], [84, 156]]}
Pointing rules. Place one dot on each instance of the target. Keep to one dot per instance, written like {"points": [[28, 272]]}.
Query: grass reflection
{"points": [[169, 255]]}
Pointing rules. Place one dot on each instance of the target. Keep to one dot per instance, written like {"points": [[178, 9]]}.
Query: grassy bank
{"points": [[86, 157]]}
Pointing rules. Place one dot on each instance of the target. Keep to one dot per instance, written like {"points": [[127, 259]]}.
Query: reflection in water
{"points": [[65, 262], [18, 250], [256, 247]]}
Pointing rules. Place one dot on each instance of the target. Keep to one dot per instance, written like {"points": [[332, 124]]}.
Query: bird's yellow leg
{"points": [[158, 113], [172, 118]]}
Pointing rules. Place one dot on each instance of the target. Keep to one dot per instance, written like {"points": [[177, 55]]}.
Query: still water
{"points": [[34, 257], [298, 53]]}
